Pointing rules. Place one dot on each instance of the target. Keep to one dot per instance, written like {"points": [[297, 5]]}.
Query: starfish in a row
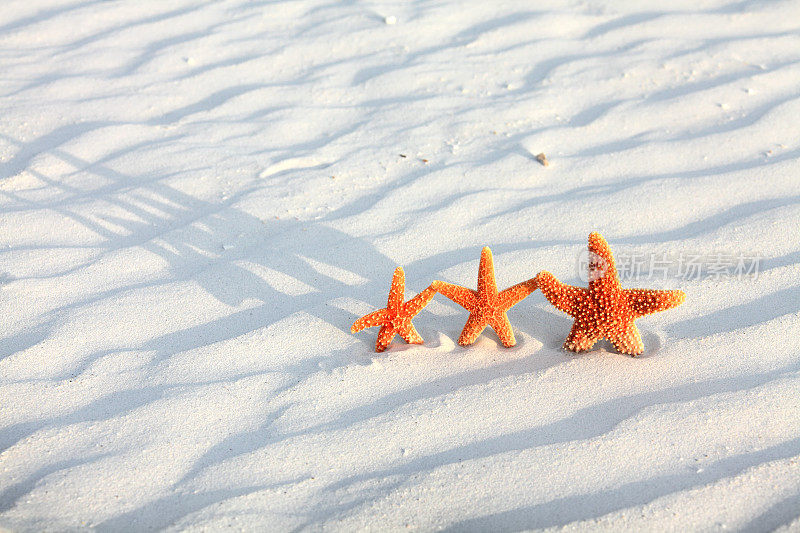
{"points": [[486, 306], [605, 309], [396, 317]]}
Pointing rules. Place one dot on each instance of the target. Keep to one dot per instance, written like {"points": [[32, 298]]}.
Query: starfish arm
{"points": [[418, 302], [602, 251], [385, 336], [645, 301], [564, 297], [397, 289], [472, 329], [515, 294], [579, 339], [486, 282], [502, 326], [410, 334], [375, 318], [463, 296], [628, 340]]}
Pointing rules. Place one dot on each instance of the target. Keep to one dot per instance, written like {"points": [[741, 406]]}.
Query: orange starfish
{"points": [[605, 309], [486, 306], [396, 316]]}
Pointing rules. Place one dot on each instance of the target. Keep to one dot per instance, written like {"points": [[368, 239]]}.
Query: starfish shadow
{"points": [[652, 343], [549, 328]]}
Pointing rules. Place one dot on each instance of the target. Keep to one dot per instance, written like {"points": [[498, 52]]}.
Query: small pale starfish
{"points": [[486, 306], [396, 316], [605, 309]]}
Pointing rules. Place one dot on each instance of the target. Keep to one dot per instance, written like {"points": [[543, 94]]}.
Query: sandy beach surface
{"points": [[198, 198]]}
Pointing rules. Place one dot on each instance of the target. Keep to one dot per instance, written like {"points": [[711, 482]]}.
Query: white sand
{"points": [[198, 198]]}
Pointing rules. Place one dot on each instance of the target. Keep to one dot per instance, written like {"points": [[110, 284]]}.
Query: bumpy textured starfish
{"points": [[486, 306], [396, 316], [605, 309]]}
